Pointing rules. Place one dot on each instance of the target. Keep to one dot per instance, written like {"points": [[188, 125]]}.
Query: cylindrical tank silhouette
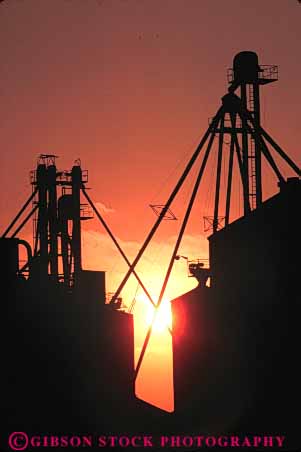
{"points": [[9, 262], [76, 175], [246, 67], [53, 226], [42, 219], [65, 213]]}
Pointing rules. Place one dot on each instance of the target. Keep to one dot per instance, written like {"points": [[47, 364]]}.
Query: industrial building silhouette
{"points": [[68, 354]]}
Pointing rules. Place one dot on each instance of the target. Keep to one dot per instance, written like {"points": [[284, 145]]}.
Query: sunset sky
{"points": [[128, 86]]}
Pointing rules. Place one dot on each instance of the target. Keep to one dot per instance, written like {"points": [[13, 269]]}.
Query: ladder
{"points": [[252, 153]]}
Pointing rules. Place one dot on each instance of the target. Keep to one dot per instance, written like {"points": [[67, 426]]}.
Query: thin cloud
{"points": [[99, 253], [101, 206]]}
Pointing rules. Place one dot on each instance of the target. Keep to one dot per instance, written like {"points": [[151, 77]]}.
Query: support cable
{"points": [[229, 183], [218, 174], [258, 134], [177, 245], [280, 151], [118, 247], [267, 153], [170, 200], [20, 213], [24, 221], [240, 162]]}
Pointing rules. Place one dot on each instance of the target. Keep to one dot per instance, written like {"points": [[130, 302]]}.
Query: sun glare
{"points": [[160, 319], [155, 380]]}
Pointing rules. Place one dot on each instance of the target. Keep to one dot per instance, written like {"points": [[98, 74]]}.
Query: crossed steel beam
{"points": [[233, 106], [258, 132]]}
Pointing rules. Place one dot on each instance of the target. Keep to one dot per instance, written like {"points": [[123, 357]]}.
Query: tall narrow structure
{"points": [[57, 224], [71, 345], [235, 343], [247, 77]]}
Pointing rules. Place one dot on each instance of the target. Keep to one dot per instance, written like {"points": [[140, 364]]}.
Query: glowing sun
{"points": [[160, 319]]}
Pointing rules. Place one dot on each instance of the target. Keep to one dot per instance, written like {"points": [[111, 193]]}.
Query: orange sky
{"points": [[128, 86]]}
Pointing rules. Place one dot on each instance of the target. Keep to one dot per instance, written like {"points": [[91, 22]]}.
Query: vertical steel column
{"points": [[230, 171], [238, 154], [53, 226], [257, 144], [218, 174], [245, 151], [76, 175], [42, 218], [170, 200], [176, 248], [63, 227]]}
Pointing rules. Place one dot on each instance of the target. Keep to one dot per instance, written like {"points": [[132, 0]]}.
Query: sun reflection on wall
{"points": [[154, 383]]}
